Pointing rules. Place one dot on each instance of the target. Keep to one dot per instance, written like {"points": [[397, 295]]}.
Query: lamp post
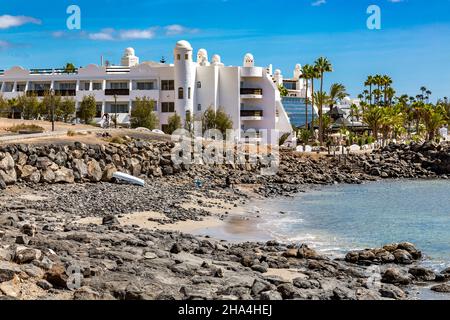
{"points": [[115, 111], [52, 108]]}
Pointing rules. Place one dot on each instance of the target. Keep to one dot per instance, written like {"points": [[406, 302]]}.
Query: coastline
{"points": [[133, 242]]}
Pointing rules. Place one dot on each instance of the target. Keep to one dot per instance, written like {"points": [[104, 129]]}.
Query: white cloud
{"points": [[7, 21], [318, 3], [137, 34], [395, 1], [176, 29], [103, 35]]}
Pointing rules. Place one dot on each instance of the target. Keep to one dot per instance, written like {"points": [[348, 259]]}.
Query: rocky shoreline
{"points": [[46, 253]]}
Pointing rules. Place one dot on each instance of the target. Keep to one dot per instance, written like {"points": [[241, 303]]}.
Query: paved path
{"points": [[60, 133]]}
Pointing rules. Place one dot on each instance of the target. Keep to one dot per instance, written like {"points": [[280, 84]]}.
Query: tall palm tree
{"points": [[378, 81], [308, 74], [323, 65], [337, 93], [369, 83], [423, 89], [386, 82]]}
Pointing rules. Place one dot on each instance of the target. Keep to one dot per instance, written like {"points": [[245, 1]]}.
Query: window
{"points": [[85, 85], [96, 86], [178, 56], [167, 107], [99, 110], [119, 108], [20, 87], [189, 92], [199, 85], [180, 93], [67, 86], [167, 85], [145, 86], [199, 107], [119, 85], [186, 56], [8, 87]]}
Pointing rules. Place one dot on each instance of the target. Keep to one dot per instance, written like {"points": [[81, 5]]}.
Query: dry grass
{"points": [[29, 128]]}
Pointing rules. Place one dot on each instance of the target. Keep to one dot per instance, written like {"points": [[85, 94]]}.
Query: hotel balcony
{"points": [[251, 93], [37, 93], [248, 115], [117, 92], [66, 92]]}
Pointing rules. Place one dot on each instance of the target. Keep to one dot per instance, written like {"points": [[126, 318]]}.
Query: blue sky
{"points": [[413, 45]]}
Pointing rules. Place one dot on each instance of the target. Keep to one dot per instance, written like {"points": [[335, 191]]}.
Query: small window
{"points": [[189, 92], [178, 56], [199, 85], [167, 85], [96, 86], [186, 56], [199, 107], [167, 107], [180, 93]]}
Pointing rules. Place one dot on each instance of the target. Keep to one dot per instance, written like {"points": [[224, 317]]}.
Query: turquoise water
{"points": [[340, 218]]}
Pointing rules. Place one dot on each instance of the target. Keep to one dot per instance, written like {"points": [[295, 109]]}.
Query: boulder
{"points": [[442, 288], [95, 173], [48, 176], [80, 167], [422, 274], [307, 253], [57, 276], [395, 276], [64, 175], [8, 270]]}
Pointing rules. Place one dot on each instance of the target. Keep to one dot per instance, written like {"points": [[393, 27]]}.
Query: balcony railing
{"points": [[117, 92], [37, 93], [252, 91], [252, 113], [66, 92]]}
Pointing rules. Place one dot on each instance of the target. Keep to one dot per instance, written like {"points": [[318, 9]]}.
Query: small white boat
{"points": [[126, 178]]}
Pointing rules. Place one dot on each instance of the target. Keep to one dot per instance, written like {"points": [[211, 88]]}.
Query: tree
{"points": [[308, 74], [433, 118], [4, 107], [30, 107], [66, 109], [322, 65], [219, 120], [283, 91], [372, 117], [143, 115], [337, 93], [49, 101], [174, 123], [69, 68], [88, 109], [369, 83]]}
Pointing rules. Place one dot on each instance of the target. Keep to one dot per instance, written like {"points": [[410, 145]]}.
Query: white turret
{"points": [[278, 77], [202, 57], [217, 60], [298, 71], [184, 78], [129, 58], [249, 60]]}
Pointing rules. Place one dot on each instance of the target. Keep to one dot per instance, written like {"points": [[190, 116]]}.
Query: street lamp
{"points": [[52, 108], [115, 111]]}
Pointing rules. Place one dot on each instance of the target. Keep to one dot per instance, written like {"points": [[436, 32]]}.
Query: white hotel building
{"points": [[248, 93]]}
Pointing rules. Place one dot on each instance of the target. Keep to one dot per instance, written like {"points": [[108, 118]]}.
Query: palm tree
{"points": [[372, 116], [378, 81], [433, 119], [323, 65], [369, 83], [423, 89], [386, 81], [428, 93], [337, 93], [308, 74]]}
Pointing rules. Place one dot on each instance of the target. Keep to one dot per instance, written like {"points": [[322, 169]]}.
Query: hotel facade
{"points": [[248, 94]]}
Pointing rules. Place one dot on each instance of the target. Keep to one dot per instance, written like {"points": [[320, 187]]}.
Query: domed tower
{"points": [[278, 77], [184, 78], [202, 58], [129, 58], [249, 60]]}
